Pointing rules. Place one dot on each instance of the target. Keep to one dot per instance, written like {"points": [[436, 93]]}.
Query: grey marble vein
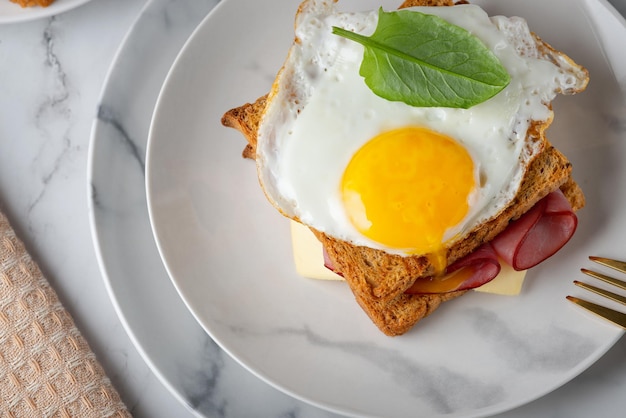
{"points": [[47, 177], [200, 385], [549, 349], [444, 389], [57, 101], [109, 116], [52, 117]]}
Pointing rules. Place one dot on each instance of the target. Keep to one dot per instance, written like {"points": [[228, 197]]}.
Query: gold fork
{"points": [[616, 317]]}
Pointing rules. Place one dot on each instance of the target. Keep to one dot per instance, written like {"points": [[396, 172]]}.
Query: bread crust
{"points": [[33, 3], [378, 279]]}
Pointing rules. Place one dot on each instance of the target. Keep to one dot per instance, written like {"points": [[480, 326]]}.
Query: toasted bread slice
{"points": [[33, 3], [379, 279]]}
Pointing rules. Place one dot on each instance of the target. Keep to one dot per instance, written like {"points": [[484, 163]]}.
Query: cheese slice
{"points": [[308, 254], [508, 282], [309, 261]]}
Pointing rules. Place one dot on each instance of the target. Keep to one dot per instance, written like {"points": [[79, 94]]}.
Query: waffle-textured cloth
{"points": [[46, 367]]}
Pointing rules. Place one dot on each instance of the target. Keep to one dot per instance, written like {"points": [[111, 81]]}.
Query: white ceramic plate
{"points": [[11, 12], [228, 251]]}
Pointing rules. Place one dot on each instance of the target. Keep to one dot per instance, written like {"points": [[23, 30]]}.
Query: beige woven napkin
{"points": [[46, 367]]}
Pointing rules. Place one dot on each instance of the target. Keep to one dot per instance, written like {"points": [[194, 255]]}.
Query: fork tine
{"points": [[610, 295], [618, 318], [614, 264], [607, 279]]}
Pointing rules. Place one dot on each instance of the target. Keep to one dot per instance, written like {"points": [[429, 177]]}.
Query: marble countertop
{"points": [[52, 72]]}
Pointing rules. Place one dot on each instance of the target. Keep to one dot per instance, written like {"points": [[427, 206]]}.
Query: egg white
{"points": [[320, 112]]}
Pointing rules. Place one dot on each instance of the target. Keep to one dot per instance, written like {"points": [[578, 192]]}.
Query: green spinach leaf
{"points": [[425, 61]]}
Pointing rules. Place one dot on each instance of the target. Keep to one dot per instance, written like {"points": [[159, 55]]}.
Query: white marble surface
{"points": [[52, 72]]}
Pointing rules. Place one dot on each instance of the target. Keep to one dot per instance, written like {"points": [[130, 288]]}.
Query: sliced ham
{"points": [[328, 262], [538, 234], [526, 242], [471, 271]]}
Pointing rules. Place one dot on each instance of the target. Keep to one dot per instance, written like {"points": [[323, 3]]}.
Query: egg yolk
{"points": [[405, 188]]}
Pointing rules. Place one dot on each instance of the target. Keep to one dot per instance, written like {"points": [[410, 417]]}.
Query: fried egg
{"points": [[386, 175]]}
